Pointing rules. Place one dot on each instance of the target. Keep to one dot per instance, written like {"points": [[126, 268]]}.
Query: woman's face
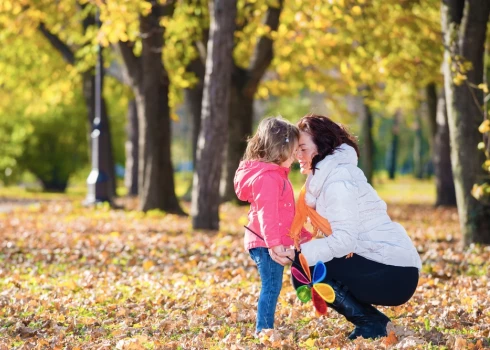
{"points": [[306, 151]]}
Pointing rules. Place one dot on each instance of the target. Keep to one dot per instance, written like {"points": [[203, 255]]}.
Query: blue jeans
{"points": [[271, 279]]}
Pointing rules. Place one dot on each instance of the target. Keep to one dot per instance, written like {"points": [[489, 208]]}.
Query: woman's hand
{"points": [[280, 254]]}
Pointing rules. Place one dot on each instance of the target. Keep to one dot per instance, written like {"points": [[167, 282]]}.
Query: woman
{"points": [[384, 267]]}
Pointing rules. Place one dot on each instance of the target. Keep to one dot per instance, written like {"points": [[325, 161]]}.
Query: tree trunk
{"points": [[193, 102], [106, 159], [240, 126], [393, 158], [432, 105], [431, 116], [446, 195], [132, 150], [156, 174], [418, 152], [149, 81], [193, 96], [244, 86], [214, 115], [367, 143], [465, 24]]}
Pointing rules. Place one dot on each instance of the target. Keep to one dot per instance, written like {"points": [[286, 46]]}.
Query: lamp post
{"points": [[97, 189]]}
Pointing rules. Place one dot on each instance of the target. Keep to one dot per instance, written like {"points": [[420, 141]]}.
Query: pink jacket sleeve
{"points": [[267, 190]]}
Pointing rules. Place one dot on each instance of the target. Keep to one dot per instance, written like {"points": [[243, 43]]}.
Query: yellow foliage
{"points": [[459, 79], [484, 126], [483, 87], [262, 92], [310, 342], [356, 10]]}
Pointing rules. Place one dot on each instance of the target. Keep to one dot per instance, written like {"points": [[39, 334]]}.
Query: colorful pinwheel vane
{"points": [[320, 293]]}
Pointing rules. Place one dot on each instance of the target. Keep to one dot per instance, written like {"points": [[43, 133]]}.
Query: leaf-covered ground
{"points": [[81, 278]]}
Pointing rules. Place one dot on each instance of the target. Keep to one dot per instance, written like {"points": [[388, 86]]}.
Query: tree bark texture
{"points": [[393, 158], [418, 148], [193, 102], [367, 142], [150, 84], [445, 192], [132, 150], [465, 24], [214, 116]]}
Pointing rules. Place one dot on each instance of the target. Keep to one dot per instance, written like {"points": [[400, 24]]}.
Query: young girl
{"points": [[262, 180]]}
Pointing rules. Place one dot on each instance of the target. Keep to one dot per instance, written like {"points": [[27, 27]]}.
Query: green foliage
{"points": [[12, 137], [117, 97], [57, 145], [186, 28], [288, 108]]}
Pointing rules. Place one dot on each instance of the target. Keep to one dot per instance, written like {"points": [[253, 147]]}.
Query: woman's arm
{"points": [[338, 204]]}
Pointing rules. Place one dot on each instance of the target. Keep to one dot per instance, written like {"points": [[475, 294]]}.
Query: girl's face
{"points": [[306, 151], [287, 163]]}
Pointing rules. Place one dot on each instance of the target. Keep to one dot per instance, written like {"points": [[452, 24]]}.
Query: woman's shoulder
{"points": [[343, 172]]}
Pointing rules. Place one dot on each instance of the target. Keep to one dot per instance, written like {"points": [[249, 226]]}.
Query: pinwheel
{"points": [[313, 289]]}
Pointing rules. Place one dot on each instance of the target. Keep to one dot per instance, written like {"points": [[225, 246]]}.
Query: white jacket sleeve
{"points": [[338, 204]]}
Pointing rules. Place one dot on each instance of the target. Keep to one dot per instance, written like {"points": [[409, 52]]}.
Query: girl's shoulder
{"points": [[270, 176]]}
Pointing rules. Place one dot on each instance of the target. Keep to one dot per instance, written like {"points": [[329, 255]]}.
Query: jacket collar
{"points": [[344, 154]]}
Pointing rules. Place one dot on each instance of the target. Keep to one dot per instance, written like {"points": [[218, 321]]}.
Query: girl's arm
{"points": [[267, 190]]}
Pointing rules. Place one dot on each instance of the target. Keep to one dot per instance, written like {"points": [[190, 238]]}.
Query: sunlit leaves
{"points": [[120, 20], [80, 277], [338, 46]]}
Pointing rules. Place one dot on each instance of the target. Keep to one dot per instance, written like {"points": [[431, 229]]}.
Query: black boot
{"points": [[369, 321]]}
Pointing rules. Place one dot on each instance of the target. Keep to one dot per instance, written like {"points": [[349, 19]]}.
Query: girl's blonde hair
{"points": [[273, 142]]}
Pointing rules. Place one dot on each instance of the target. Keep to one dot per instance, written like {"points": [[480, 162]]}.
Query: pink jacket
{"points": [[268, 190]]}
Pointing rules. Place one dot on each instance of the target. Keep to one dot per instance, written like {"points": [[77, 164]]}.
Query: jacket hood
{"points": [[248, 171]]}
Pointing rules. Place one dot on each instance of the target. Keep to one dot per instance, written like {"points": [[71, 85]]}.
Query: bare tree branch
{"points": [[58, 44]]}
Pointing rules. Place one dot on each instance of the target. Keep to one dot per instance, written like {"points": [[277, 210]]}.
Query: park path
{"points": [[8, 204]]}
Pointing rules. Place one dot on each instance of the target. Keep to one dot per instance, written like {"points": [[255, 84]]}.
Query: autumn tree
{"points": [[382, 52], [256, 23], [106, 158], [464, 24], [214, 115], [137, 31], [72, 40], [445, 191], [132, 150]]}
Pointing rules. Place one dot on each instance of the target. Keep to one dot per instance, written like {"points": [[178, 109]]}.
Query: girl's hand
{"points": [[280, 254]]}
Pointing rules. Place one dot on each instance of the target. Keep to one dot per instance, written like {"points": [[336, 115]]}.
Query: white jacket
{"points": [[340, 193]]}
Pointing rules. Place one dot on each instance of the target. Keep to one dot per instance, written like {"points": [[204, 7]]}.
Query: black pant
{"points": [[372, 282]]}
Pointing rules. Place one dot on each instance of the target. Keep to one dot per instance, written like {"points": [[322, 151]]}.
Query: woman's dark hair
{"points": [[327, 136]]}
